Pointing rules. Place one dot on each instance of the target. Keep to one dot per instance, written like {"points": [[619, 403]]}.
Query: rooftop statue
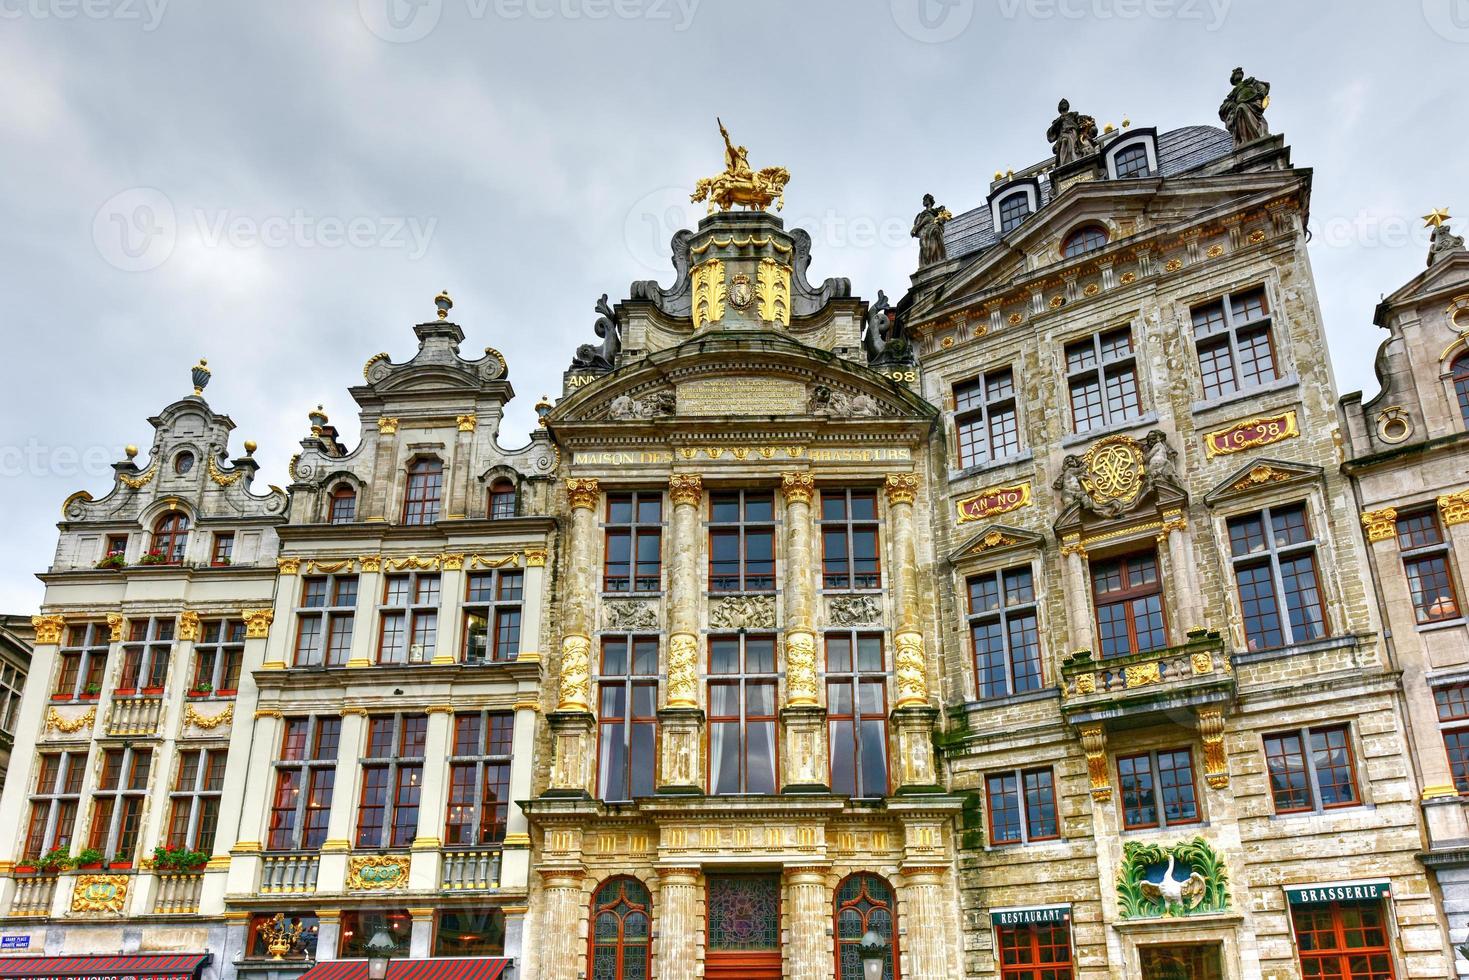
{"points": [[1243, 109], [739, 184], [1444, 242], [928, 228], [1072, 135]]}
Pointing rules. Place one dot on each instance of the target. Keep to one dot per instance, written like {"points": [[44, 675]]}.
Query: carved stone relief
{"points": [[743, 612]]}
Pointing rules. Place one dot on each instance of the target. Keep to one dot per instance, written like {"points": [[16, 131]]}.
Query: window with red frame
{"points": [[1453, 716], [83, 661], [422, 495], [864, 905], [742, 682], [1128, 594], [117, 802], [1157, 789], [621, 933], [849, 549], [1311, 769], [1460, 372], [1274, 558], [145, 655], [1022, 806], [392, 780], [1040, 951], [218, 654], [343, 504], [305, 777], [492, 607], [627, 717], [117, 544], [502, 500], [194, 801], [742, 541], [171, 537], [1346, 940], [55, 802], [1426, 564], [633, 560], [224, 548], [479, 779]]}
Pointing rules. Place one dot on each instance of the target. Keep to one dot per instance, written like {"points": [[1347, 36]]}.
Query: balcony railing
{"points": [[130, 716], [1194, 674], [469, 870], [177, 894], [33, 895], [284, 873]]}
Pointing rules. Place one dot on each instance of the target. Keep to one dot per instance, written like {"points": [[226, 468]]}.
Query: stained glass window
{"points": [[863, 902], [621, 949], [744, 913]]}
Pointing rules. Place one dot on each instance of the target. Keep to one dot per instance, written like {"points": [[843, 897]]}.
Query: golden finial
{"points": [[250, 447], [1126, 122], [200, 376], [738, 184], [999, 174], [1109, 128], [1436, 218], [1009, 174], [444, 303], [130, 451], [543, 409]]}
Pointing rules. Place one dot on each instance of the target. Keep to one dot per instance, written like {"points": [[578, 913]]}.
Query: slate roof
{"points": [[1179, 151]]}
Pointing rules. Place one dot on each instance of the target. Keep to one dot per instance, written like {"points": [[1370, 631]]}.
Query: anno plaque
{"points": [[741, 396]]}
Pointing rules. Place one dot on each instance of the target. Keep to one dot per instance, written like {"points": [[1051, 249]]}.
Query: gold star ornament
{"points": [[1436, 218]]}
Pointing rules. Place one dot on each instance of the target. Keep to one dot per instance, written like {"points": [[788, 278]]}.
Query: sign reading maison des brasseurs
{"points": [[742, 454]]}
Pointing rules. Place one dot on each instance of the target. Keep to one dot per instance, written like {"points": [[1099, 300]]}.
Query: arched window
{"points": [[502, 499], [1087, 238], [343, 506], [1132, 161], [864, 903], [1460, 371], [1013, 210], [425, 485], [621, 931], [171, 537]]}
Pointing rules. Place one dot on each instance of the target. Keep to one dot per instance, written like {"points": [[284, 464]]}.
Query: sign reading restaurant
{"points": [[1040, 915], [1363, 891]]}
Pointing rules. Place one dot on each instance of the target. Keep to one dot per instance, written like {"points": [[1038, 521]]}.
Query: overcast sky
{"points": [[282, 186]]}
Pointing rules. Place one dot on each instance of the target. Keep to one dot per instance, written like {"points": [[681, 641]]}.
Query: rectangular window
{"points": [[849, 548], [305, 776], [1274, 556], [194, 802], [54, 803], [479, 779], [324, 620], [856, 712], [392, 779], [1022, 806], [1034, 952], [470, 932], [1345, 940], [742, 748], [1003, 630], [361, 925], [117, 544], [217, 657], [1311, 769], [145, 655], [627, 717], [742, 541], [985, 419], [408, 618], [1233, 338], [1128, 594], [117, 803], [492, 606], [421, 497], [12, 683], [634, 543], [1157, 789], [1102, 374], [1453, 716], [1426, 564], [224, 548], [83, 660]]}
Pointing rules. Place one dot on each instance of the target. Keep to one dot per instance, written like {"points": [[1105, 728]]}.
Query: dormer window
{"points": [[1133, 154], [1132, 162], [1087, 238], [425, 486], [1014, 210], [171, 537], [343, 505], [502, 500]]}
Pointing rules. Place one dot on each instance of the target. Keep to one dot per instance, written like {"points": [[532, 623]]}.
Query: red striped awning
{"points": [[435, 968], [142, 967]]}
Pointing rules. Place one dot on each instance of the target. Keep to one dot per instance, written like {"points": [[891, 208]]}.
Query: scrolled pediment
{"points": [[993, 539], [1261, 474]]}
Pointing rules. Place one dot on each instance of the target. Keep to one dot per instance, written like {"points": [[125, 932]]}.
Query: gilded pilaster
{"points": [[679, 924], [910, 664], [681, 720], [803, 717]]}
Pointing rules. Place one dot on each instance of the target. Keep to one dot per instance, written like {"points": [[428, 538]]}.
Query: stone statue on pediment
{"points": [[928, 228], [1243, 109], [1072, 135]]}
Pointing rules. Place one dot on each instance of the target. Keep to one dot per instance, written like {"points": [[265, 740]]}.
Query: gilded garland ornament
{"points": [[912, 678], [683, 671], [801, 668], [208, 722], [575, 673], [69, 726], [142, 479]]}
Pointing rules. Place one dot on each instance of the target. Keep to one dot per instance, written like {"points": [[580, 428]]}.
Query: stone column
{"points": [[340, 833], [803, 717], [451, 593], [928, 906], [1185, 574], [254, 816], [428, 839], [460, 476], [681, 719], [515, 857], [277, 654], [810, 919], [678, 924], [563, 911], [572, 720], [1078, 610], [913, 716], [328, 934], [368, 591]]}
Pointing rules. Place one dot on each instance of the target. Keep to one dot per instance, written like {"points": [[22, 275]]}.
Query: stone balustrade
{"points": [[469, 870], [33, 895], [132, 716], [177, 894], [1194, 674], [287, 873]]}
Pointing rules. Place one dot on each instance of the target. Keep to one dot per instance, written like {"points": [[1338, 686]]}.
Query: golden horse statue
{"points": [[755, 190]]}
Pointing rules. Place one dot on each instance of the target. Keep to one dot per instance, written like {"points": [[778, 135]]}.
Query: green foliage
{"points": [[55, 860]]}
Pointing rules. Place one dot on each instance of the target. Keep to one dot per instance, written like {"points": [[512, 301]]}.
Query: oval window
{"points": [[183, 462]]}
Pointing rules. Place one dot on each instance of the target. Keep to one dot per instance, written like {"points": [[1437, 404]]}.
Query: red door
{"points": [[743, 927]]}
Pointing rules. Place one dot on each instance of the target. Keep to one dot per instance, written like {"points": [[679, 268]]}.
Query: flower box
{"points": [[120, 866], [25, 869]]}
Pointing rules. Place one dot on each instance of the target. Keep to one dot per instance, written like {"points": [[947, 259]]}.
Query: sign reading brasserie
{"points": [[1251, 434], [992, 501], [1042, 915], [1365, 891]]}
